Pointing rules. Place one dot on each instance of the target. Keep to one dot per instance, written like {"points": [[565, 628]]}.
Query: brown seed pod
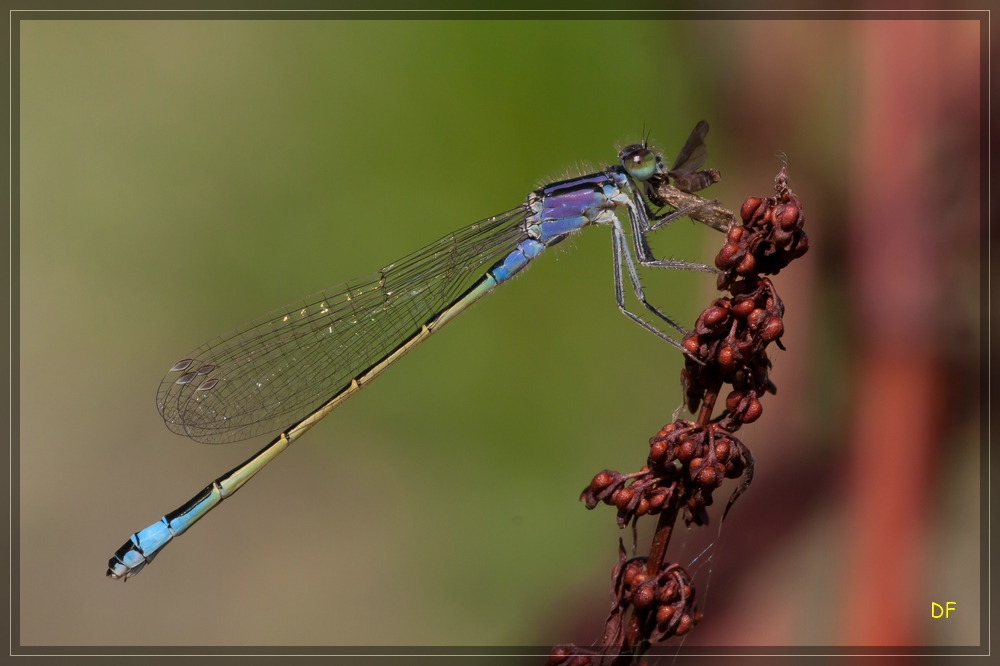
{"points": [[753, 411], [601, 480], [726, 360], [714, 315], [624, 496], [639, 579], [657, 451], [664, 614], [755, 318], [706, 476], [789, 217], [744, 307], [726, 255], [631, 571], [686, 449], [690, 343], [746, 265], [750, 207], [644, 596], [772, 330], [722, 449]]}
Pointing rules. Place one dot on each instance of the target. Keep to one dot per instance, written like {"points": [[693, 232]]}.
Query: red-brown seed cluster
{"points": [[686, 463], [770, 237], [663, 604], [656, 607], [705, 456], [727, 345], [728, 342], [638, 494]]}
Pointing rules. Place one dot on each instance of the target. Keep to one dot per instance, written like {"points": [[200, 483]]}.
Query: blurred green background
{"points": [[179, 178]]}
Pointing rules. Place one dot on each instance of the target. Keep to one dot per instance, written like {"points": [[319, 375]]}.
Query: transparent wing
{"points": [[694, 153], [275, 370]]}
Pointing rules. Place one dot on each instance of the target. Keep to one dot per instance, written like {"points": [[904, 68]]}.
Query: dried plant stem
{"points": [[665, 524], [708, 404], [664, 528]]}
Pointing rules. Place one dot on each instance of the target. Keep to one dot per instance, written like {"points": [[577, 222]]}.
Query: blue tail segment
{"points": [[144, 545]]}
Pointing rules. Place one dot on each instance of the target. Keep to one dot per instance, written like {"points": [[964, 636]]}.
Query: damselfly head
{"points": [[639, 161]]}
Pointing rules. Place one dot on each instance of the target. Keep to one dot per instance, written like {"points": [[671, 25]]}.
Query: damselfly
{"points": [[298, 363]]}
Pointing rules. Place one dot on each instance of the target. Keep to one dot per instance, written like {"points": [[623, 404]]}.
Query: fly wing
{"points": [[275, 370], [694, 153]]}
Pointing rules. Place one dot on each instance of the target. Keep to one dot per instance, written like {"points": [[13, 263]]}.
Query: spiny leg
{"points": [[634, 279], [639, 220], [619, 248]]}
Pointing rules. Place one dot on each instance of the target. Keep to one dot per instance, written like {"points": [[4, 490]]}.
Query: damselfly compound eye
{"points": [[639, 162]]}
